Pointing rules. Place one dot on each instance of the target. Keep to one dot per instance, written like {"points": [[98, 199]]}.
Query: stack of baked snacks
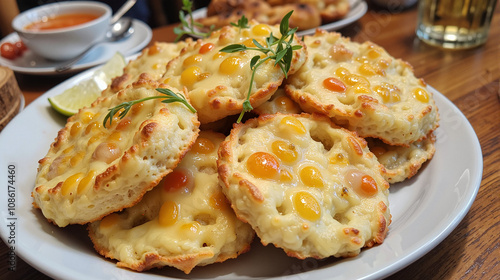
{"points": [[183, 222], [305, 185], [307, 14], [91, 171], [218, 82]]}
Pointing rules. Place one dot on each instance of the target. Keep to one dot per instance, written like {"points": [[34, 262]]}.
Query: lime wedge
{"points": [[87, 91]]}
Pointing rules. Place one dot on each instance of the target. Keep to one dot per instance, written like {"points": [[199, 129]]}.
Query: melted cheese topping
{"points": [[91, 170], [218, 82], [185, 215], [362, 86], [323, 194]]}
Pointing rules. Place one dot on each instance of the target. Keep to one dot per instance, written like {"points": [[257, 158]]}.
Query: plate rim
{"points": [[400, 263]]}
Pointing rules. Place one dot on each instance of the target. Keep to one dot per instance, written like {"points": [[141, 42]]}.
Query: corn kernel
{"points": [[169, 213], [165, 81], [219, 55], [192, 59], [203, 146], [341, 72], [285, 175], [367, 69], [421, 95], [191, 227], [293, 123], [334, 84], [218, 201], [339, 159], [362, 59], [175, 180], [115, 136], [92, 127], [353, 79], [360, 89], [206, 48], [70, 183], [368, 185], [311, 177], [68, 149], [124, 123], [261, 30], [286, 104], [87, 117], [287, 152], [85, 182], [230, 65], [109, 221], [389, 93], [76, 158], [154, 50], [307, 206], [190, 75], [75, 129], [156, 66], [137, 108], [374, 53], [263, 165], [95, 138]]}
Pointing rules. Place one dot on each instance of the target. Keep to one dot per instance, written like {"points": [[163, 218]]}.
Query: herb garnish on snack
{"points": [[190, 25], [282, 54], [169, 97]]}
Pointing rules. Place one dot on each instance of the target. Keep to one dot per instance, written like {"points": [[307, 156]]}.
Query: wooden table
{"points": [[470, 79]]}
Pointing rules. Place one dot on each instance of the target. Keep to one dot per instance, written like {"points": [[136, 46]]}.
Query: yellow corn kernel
{"points": [[154, 50], [190, 75], [389, 93], [367, 69], [362, 59], [95, 138], [360, 88], [85, 182], [374, 53], [339, 159], [75, 129], [68, 186], [219, 55], [68, 149], [263, 165], [115, 136], [285, 175], [230, 65], [286, 104], [287, 152], [306, 206], [384, 63], [353, 79], [315, 44], [341, 72], [293, 123], [165, 81], [76, 158], [191, 227], [92, 127], [261, 30], [87, 117], [156, 66], [137, 107], [109, 221], [192, 59], [218, 201], [421, 95], [169, 213], [311, 177], [124, 123], [250, 43], [203, 146]]}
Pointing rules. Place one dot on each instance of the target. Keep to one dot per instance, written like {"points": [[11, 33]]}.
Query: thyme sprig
{"points": [[188, 27], [242, 23], [168, 96], [281, 50]]}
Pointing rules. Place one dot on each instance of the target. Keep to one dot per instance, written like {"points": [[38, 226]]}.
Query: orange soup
{"points": [[60, 21]]}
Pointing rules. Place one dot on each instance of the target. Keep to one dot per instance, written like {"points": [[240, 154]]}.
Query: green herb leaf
{"points": [[242, 23], [168, 96], [188, 27]]}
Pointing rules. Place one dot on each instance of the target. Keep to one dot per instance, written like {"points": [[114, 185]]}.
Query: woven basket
{"points": [[10, 96]]}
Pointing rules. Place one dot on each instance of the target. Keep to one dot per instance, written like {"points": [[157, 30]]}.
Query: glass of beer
{"points": [[454, 24]]}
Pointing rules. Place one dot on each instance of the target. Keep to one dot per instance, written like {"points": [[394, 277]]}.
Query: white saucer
{"points": [[30, 63]]}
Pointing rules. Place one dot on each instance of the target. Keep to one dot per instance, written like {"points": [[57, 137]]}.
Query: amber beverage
{"points": [[454, 24]]}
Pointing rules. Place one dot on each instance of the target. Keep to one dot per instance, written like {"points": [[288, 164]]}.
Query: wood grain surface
{"points": [[469, 78]]}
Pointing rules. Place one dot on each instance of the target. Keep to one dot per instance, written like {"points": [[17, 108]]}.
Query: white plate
{"points": [[358, 9], [425, 209], [30, 63]]}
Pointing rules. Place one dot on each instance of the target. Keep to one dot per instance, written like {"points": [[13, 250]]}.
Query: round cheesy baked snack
{"points": [[278, 103], [184, 222], [305, 185], [400, 162], [151, 65], [91, 171], [218, 82], [363, 88]]}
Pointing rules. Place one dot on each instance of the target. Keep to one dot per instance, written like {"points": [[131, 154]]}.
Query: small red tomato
{"points": [[8, 50], [20, 46]]}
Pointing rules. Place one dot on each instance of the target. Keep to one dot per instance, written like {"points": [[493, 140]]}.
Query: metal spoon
{"points": [[121, 29]]}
